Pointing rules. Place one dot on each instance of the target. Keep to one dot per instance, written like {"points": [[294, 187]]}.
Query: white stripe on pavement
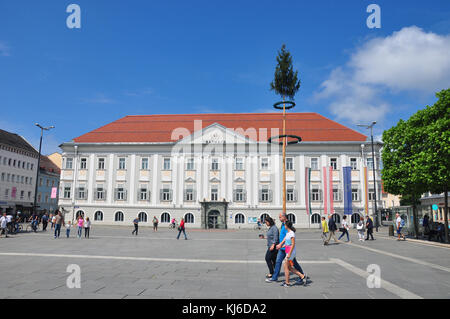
{"points": [[396, 290], [413, 260], [221, 261]]}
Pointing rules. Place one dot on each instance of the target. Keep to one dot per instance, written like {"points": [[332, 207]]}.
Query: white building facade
{"points": [[18, 164], [216, 177]]}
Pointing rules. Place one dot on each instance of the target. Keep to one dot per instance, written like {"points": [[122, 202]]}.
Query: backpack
{"points": [[402, 223]]}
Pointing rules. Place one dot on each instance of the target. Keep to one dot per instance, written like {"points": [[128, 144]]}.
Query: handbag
{"points": [[342, 229]]}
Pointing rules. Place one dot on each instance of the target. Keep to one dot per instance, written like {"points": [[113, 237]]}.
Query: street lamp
{"points": [[373, 170], [39, 163]]}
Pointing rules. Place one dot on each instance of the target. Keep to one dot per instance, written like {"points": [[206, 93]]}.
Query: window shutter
{"points": [[235, 196], [320, 195], [160, 194], [124, 194], [115, 193], [260, 195], [295, 195], [185, 195], [194, 195], [244, 195], [170, 195], [270, 195]]}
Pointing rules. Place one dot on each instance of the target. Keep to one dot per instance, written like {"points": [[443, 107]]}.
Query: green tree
{"points": [[286, 82], [400, 174], [433, 159], [416, 155]]}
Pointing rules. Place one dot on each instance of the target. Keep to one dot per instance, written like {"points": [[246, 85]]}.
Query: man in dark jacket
{"points": [[332, 228], [369, 226]]}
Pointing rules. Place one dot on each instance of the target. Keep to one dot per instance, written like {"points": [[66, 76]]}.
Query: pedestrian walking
{"points": [[181, 228], [360, 229], [59, 221], [369, 227], [399, 224], [3, 225], [345, 228], [332, 229], [281, 255], [44, 222], [87, 227], [272, 240], [426, 224], [68, 226], [135, 222], [155, 223], [325, 230], [80, 223], [53, 219], [289, 245]]}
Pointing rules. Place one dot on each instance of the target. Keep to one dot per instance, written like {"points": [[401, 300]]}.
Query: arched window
{"points": [[356, 218], [118, 217], [263, 218], [291, 217], [336, 218], [315, 219], [142, 217], [239, 219], [189, 218], [98, 216], [80, 213], [165, 218]]}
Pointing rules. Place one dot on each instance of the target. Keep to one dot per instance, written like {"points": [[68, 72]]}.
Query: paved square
{"points": [[214, 264]]}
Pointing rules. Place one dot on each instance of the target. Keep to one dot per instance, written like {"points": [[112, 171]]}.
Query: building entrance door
{"points": [[213, 219]]}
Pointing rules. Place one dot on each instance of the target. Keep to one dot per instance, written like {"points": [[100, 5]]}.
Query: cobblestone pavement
{"points": [[214, 264]]}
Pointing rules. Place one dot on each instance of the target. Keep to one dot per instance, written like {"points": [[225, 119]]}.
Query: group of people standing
{"points": [[181, 227], [81, 223], [329, 229], [281, 247]]}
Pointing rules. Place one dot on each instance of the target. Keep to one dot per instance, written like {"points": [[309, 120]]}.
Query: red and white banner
{"points": [[327, 184], [54, 191]]}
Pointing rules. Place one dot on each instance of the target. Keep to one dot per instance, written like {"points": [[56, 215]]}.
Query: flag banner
{"points": [[366, 191], [330, 179], [54, 191], [327, 184], [307, 190], [348, 190], [13, 192]]}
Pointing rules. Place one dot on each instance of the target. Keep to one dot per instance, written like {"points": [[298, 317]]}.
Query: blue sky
{"points": [[148, 57]]}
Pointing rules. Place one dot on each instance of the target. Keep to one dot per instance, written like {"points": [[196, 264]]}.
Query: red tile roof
{"points": [[158, 128]]}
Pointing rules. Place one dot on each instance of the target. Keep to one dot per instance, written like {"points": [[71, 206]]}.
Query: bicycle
{"points": [[15, 228], [173, 226], [30, 227]]}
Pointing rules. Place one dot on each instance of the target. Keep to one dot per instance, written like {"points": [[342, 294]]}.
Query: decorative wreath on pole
{"points": [[297, 140], [288, 105]]}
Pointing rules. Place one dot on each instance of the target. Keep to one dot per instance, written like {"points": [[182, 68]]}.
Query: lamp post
{"points": [[373, 170], [39, 163]]}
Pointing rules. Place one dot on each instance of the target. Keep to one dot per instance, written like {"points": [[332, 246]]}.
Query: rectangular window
{"points": [[120, 193], [336, 195], [166, 194], [23, 165], [189, 197], [48, 183], [3, 177], [264, 163], [13, 177], [81, 193], [40, 181], [371, 194], [101, 164], [355, 194], [29, 195], [83, 163], [100, 193], [18, 164], [215, 164], [46, 198], [8, 177], [28, 166], [32, 165], [214, 194], [144, 164], [239, 164], [166, 166], [369, 163], [122, 163], [67, 192], [353, 163], [69, 163], [314, 163], [290, 195], [289, 164], [143, 194], [333, 163], [6, 193], [239, 194], [315, 195], [22, 194], [190, 164]]}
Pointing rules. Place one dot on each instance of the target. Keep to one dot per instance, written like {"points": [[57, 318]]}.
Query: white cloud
{"points": [[100, 99], [4, 49], [408, 60]]}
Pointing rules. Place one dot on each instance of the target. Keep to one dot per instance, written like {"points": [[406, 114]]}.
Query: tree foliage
{"points": [[286, 82]]}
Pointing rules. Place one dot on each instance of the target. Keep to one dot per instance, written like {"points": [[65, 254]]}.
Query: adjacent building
{"points": [[18, 165], [48, 186], [217, 170]]}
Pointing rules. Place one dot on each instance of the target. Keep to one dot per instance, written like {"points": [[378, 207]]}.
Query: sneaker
{"points": [[285, 285], [270, 280], [300, 281]]}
